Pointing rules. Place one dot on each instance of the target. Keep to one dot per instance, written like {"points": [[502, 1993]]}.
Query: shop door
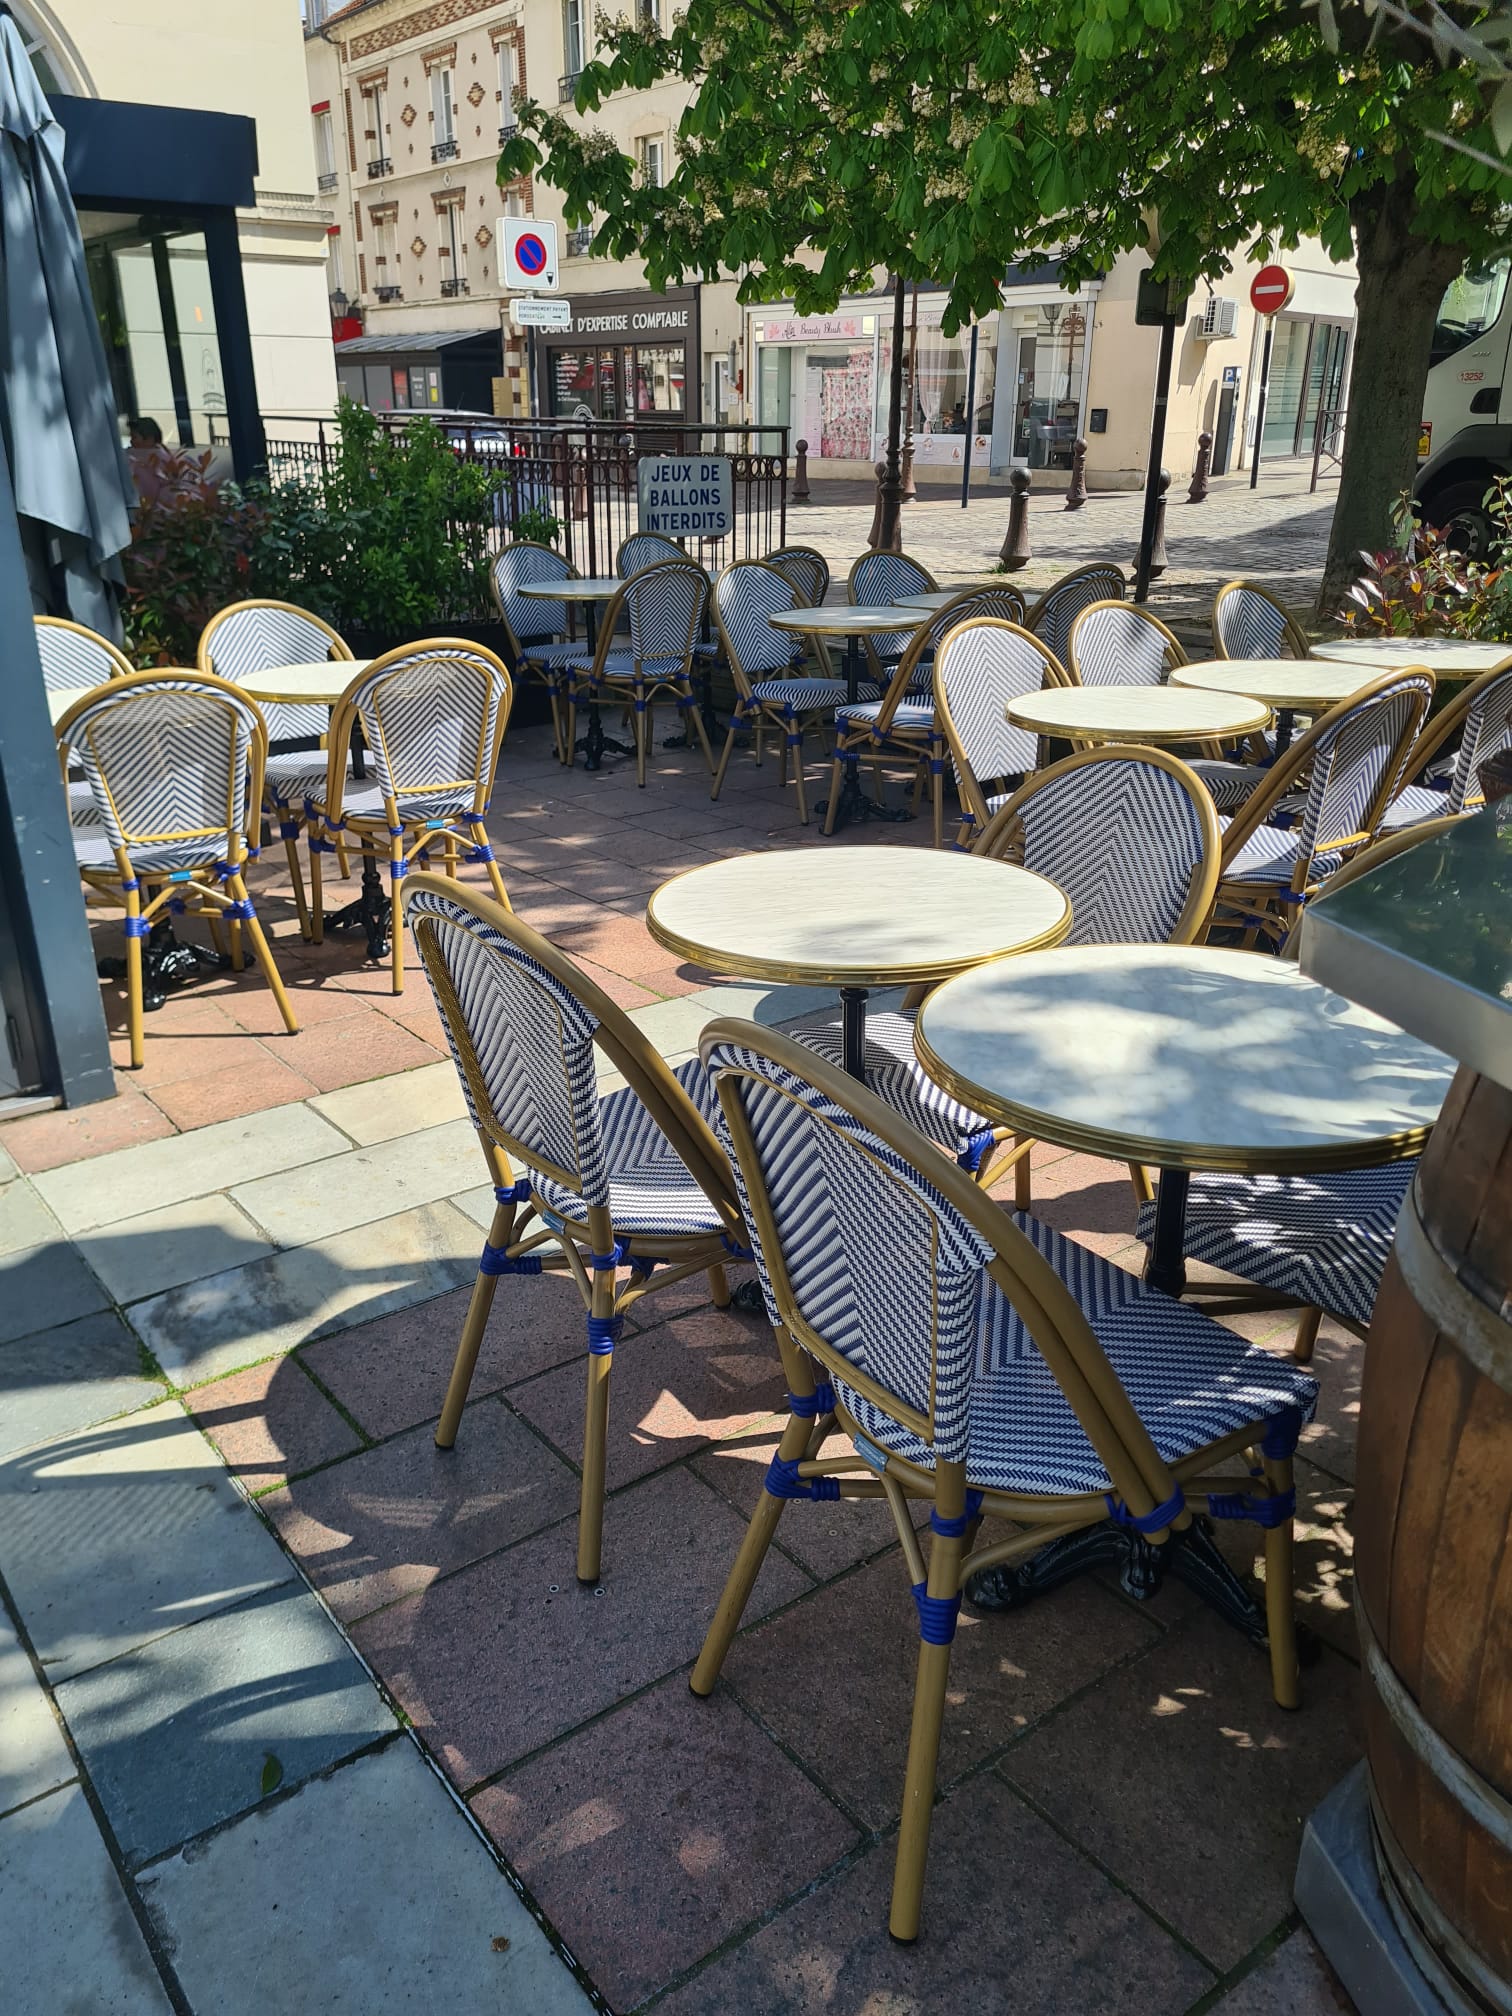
{"points": [[1031, 414], [1286, 391], [1325, 381]]}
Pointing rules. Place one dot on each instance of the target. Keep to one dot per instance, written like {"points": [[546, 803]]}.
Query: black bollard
{"points": [[800, 489], [1199, 490], [1076, 490], [1015, 551]]}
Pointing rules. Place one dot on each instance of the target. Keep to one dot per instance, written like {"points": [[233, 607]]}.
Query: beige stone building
{"points": [[211, 56]]}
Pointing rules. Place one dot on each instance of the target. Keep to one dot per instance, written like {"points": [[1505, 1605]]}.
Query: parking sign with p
{"points": [[529, 254]]}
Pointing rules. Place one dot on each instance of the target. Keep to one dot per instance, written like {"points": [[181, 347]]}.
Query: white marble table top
{"points": [[1135, 713], [322, 684], [1291, 683], [848, 619], [1445, 657], [854, 916], [1182, 1057], [934, 599], [594, 588]]}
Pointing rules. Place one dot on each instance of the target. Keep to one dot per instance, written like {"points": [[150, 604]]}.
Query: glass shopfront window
{"points": [[816, 376], [1049, 357], [660, 380], [942, 369], [1308, 357]]}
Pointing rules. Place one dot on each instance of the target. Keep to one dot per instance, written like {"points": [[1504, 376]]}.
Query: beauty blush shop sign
{"points": [[686, 496]]}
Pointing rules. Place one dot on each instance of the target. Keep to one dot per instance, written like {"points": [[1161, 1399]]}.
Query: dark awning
{"points": [[140, 156]]}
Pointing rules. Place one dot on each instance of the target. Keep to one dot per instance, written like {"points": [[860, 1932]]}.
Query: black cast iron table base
{"points": [[595, 742], [167, 962], [854, 808], [371, 912]]}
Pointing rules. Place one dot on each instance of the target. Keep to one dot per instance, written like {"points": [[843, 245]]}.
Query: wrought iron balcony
{"points": [[567, 87], [327, 182], [579, 241], [393, 293], [382, 166], [508, 130], [444, 150], [454, 286]]}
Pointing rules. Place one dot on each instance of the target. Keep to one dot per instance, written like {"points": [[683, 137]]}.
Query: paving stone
{"points": [[25, 1220], [259, 1082], [1187, 1743], [393, 1373], [158, 1173], [299, 1206], [1322, 1568], [73, 1134], [675, 1025], [9, 1169], [67, 1932], [826, 1537], [470, 1659], [33, 1755], [721, 1829], [762, 1001], [1338, 1364], [388, 1522], [113, 1537], [688, 1382], [1014, 1921], [44, 1286], [334, 1053], [834, 1676], [56, 1382], [190, 1729], [163, 1249], [271, 1423], [404, 1104], [426, 1919], [208, 1328], [1295, 1980]]}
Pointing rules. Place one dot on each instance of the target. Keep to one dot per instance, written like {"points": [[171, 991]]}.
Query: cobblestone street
{"points": [[1277, 534]]}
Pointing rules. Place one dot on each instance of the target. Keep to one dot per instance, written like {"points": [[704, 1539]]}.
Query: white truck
{"points": [[1466, 437]]}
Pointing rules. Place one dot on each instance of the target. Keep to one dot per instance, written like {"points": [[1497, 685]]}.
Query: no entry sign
{"points": [[1270, 290]]}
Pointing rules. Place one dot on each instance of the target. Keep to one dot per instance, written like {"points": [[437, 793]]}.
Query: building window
{"points": [[443, 137], [574, 42], [513, 207], [52, 73], [335, 270], [325, 148], [373, 98], [453, 248], [507, 82], [649, 12], [384, 225], [652, 162]]}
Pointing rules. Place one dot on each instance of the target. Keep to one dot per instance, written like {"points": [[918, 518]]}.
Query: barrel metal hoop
{"points": [[1482, 1802], [1449, 1964], [1480, 1330]]}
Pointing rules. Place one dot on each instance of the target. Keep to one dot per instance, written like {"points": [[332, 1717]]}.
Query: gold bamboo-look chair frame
{"points": [[637, 688], [1296, 643], [525, 664], [410, 835], [525, 1229], [215, 891], [760, 715], [1441, 728], [1143, 1482], [1268, 910], [976, 813], [118, 665], [876, 663]]}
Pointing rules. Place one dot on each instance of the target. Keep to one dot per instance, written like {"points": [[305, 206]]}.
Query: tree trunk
{"points": [[1402, 280]]}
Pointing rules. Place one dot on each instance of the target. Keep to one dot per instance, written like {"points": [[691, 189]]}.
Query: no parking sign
{"points": [[529, 253]]}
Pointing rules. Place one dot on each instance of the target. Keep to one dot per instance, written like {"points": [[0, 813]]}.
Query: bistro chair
{"points": [[646, 549], [979, 667], [536, 629], [1248, 622], [258, 636], [74, 658], [1122, 644], [174, 759], [662, 606], [634, 1178], [433, 717], [1336, 781], [1131, 837], [806, 568], [877, 579], [981, 1364], [1057, 609], [766, 666], [1480, 716], [903, 721], [1320, 1240]]}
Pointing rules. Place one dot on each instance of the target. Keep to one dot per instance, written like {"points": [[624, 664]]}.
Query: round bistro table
{"points": [[936, 599], [1143, 714], [855, 919], [592, 592], [1292, 686], [1445, 657], [852, 621]]}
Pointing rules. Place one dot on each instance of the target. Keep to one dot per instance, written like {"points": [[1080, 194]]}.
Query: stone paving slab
{"points": [[385, 1108], [298, 1206], [56, 1382], [270, 1423], [33, 1755], [1294, 1981], [195, 1727], [419, 1918], [209, 1328], [163, 1249], [113, 1537], [68, 1939], [42, 1287], [24, 1219]]}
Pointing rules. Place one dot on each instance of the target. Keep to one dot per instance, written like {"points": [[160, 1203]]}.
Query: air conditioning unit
{"points": [[1219, 315]]}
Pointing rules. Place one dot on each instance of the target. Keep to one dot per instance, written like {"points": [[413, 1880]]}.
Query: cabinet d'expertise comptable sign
{"points": [[686, 496]]}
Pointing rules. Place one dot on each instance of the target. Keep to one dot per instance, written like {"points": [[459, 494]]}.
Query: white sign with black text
{"points": [[529, 311], [686, 496]]}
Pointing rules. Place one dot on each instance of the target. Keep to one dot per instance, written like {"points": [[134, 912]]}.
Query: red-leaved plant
{"points": [[1423, 587]]}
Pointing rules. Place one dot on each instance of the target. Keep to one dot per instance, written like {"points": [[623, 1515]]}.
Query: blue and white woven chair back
{"points": [[979, 667], [1118, 644], [522, 1043], [259, 637], [880, 578], [745, 596], [665, 605], [808, 571], [1125, 839], [1058, 608], [646, 549], [73, 659], [1350, 765], [168, 761], [880, 1269], [433, 720], [1488, 730], [1248, 624], [1004, 603], [529, 617]]}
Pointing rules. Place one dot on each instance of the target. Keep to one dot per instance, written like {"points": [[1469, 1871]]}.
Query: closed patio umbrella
{"points": [[73, 485]]}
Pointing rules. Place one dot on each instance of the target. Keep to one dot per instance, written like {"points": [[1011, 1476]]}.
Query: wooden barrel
{"points": [[1433, 1557]]}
